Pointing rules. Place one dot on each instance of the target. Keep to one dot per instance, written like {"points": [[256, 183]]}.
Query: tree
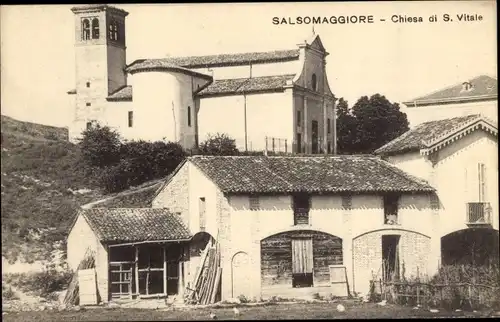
{"points": [[218, 144], [100, 146], [372, 122]]}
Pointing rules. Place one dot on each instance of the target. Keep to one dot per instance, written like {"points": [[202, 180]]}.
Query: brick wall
{"points": [[175, 195], [414, 249]]}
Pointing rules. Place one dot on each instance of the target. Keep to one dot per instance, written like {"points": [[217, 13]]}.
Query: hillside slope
{"points": [[43, 184], [41, 188]]}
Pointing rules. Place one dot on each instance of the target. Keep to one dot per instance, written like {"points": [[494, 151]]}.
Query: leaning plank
{"points": [[216, 285]]}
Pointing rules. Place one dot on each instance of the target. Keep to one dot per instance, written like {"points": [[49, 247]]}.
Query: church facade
{"points": [[277, 100]]}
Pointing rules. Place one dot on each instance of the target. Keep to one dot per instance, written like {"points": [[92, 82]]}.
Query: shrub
{"points": [[8, 293], [41, 283], [141, 161], [218, 144], [243, 299], [100, 146]]}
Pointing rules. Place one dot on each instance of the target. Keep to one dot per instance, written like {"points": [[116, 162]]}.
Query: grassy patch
{"points": [[277, 312]]}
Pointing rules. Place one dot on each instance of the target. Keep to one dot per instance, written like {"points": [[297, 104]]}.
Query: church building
{"points": [[277, 100]]}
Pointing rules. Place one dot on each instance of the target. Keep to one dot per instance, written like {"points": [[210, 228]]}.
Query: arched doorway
{"points": [[477, 246], [298, 261], [240, 264]]}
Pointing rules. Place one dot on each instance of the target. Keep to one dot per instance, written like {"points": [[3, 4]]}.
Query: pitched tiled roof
{"points": [[223, 60], [122, 94], [482, 87], [313, 174], [246, 85], [135, 224], [426, 133], [159, 64]]}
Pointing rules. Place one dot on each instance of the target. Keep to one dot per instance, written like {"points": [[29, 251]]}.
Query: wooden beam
{"points": [[165, 270], [181, 273], [137, 270]]}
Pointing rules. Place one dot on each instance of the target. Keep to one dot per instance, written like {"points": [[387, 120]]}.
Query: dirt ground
{"points": [[353, 310]]}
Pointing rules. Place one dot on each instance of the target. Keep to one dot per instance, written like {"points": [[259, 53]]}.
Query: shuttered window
{"points": [[302, 256]]}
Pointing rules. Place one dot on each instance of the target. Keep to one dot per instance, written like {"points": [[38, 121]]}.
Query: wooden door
{"points": [[302, 262]]}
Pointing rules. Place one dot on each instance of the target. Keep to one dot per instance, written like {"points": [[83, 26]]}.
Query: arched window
{"points": [[113, 31], [314, 82], [95, 28], [85, 29]]}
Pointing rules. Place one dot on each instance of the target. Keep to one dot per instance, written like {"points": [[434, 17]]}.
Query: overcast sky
{"points": [[399, 60]]}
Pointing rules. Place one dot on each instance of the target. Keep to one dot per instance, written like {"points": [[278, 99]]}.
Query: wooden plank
{"points": [[136, 267], [87, 287], [165, 270], [216, 285]]}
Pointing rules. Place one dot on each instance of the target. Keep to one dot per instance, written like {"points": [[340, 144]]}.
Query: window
{"points": [[130, 118], [87, 104], [302, 262], [301, 210], [391, 209], [85, 29], [299, 121], [113, 31], [329, 127], [89, 125], [202, 210], [254, 202], [329, 147], [313, 82], [346, 202], [88, 84], [95, 28], [189, 115]]}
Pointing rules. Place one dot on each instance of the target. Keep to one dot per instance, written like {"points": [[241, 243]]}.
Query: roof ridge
{"points": [[420, 98], [453, 129], [229, 54]]}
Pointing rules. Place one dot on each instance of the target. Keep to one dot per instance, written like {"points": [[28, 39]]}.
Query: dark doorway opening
{"points": [[390, 256], [315, 137]]}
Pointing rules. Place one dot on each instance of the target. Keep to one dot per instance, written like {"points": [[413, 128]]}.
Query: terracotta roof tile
{"points": [[413, 140], [122, 94], [135, 224], [482, 85], [319, 174], [246, 85], [224, 60]]}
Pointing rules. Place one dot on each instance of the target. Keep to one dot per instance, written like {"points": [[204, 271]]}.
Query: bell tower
{"points": [[100, 59]]}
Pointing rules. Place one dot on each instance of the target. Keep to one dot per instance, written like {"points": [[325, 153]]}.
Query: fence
{"points": [[316, 146], [435, 293]]}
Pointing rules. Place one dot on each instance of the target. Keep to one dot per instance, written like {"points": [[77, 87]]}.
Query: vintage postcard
{"points": [[249, 161]]}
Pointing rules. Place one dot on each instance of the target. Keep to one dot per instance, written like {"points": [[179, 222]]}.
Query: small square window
{"points": [[254, 203], [88, 84], [89, 125], [88, 104]]}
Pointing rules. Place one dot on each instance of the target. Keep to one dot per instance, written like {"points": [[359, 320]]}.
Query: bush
{"points": [[41, 283], [218, 144], [100, 146], [141, 161], [8, 293]]}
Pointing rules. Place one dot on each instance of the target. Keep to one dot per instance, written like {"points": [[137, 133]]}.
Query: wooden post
{"points": [[165, 270], [418, 287], [273, 144], [137, 270], [181, 273], [286, 146], [266, 147]]}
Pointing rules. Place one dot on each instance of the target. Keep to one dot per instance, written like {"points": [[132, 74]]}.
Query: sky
{"points": [[398, 60]]}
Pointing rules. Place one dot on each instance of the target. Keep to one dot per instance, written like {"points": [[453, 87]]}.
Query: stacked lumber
{"points": [[72, 294], [206, 282]]}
